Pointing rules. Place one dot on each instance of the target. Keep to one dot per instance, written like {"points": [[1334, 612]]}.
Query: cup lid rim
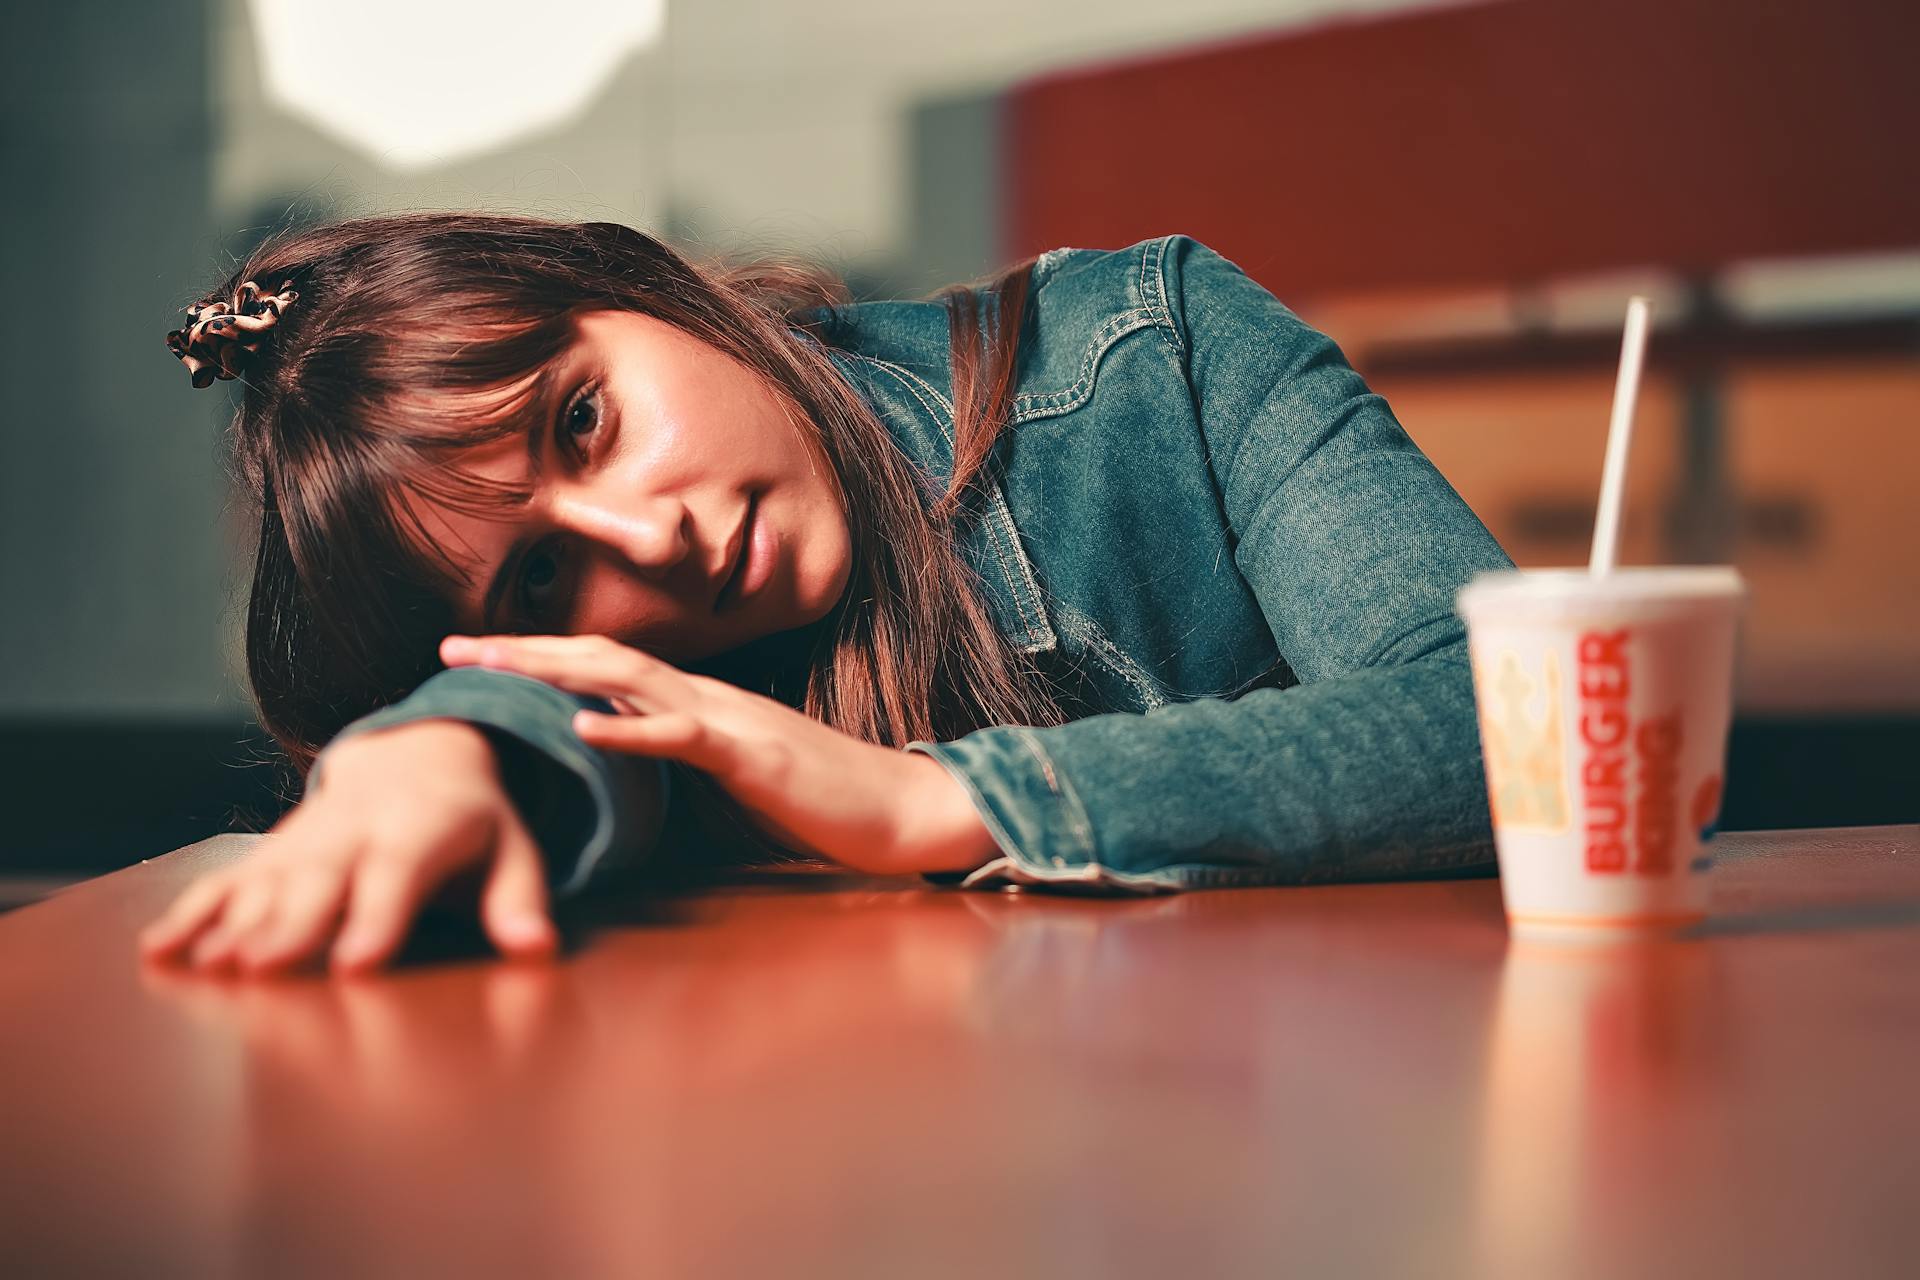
{"points": [[1632, 582]]}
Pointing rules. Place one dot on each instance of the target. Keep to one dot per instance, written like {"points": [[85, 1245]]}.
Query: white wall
{"points": [[767, 125]]}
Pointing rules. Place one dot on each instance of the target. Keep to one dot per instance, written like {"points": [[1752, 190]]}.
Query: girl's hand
{"points": [[808, 785], [400, 813]]}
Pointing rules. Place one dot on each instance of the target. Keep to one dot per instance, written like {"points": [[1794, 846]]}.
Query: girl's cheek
{"points": [[607, 603]]}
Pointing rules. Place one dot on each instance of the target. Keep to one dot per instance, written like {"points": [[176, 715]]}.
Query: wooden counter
{"points": [[829, 1075]]}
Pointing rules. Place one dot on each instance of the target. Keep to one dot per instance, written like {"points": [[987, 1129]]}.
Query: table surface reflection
{"points": [[824, 1074]]}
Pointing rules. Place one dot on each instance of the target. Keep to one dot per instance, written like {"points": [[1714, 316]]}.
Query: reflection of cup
{"points": [[1603, 704], [1601, 1057]]}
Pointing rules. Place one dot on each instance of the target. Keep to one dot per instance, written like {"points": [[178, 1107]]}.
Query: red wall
{"points": [[1490, 143]]}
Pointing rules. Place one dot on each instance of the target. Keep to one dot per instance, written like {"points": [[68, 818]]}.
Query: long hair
{"points": [[420, 335]]}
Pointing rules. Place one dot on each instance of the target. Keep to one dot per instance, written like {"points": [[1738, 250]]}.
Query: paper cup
{"points": [[1604, 704]]}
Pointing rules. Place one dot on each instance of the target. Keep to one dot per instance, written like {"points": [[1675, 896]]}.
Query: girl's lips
{"points": [[756, 560], [742, 553]]}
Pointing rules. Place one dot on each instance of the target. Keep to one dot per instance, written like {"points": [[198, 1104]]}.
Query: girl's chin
{"points": [[830, 594]]}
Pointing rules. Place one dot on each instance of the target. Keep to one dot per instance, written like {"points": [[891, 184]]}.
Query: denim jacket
{"points": [[1234, 566]]}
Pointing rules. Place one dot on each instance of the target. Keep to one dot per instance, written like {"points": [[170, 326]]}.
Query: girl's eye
{"points": [[581, 416], [538, 576]]}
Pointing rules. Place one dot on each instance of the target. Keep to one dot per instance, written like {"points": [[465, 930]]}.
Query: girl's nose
{"points": [[652, 534]]}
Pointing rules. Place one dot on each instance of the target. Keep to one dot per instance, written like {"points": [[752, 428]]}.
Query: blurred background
{"points": [[1462, 194]]}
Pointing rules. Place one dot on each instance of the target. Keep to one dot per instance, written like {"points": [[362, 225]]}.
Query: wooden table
{"points": [[837, 1076]]}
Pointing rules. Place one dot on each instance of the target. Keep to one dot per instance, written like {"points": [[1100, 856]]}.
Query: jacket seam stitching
{"points": [[1033, 404], [1153, 288]]}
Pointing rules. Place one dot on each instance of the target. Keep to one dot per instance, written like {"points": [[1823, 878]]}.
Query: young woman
{"points": [[1109, 574]]}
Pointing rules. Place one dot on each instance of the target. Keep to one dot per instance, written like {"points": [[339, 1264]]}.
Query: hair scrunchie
{"points": [[220, 333]]}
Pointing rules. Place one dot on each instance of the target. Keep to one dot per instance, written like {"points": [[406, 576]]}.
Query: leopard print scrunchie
{"points": [[220, 334]]}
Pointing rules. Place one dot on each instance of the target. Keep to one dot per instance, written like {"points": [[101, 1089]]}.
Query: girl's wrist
{"points": [[941, 830], [448, 738]]}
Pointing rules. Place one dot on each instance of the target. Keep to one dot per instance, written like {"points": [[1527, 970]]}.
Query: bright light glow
{"points": [[426, 82]]}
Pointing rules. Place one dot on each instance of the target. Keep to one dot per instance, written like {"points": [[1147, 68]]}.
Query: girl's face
{"points": [[677, 507]]}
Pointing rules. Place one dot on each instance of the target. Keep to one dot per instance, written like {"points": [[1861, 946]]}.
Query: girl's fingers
{"points": [[310, 904], [251, 902], [582, 664], [676, 735], [198, 904], [384, 897], [513, 903], [216, 911]]}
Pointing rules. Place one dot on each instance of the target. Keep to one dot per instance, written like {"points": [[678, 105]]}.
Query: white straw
{"points": [[1613, 480]]}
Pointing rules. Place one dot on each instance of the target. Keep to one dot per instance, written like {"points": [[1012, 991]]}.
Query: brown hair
{"points": [[402, 316]]}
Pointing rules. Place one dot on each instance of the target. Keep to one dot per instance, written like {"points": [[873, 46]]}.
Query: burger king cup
{"points": [[1604, 697], [1604, 704]]}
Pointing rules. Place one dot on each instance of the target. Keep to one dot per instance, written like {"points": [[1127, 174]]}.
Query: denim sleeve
{"points": [[1353, 544], [591, 811]]}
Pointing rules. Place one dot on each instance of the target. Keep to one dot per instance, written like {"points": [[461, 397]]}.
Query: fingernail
{"points": [[457, 646]]}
